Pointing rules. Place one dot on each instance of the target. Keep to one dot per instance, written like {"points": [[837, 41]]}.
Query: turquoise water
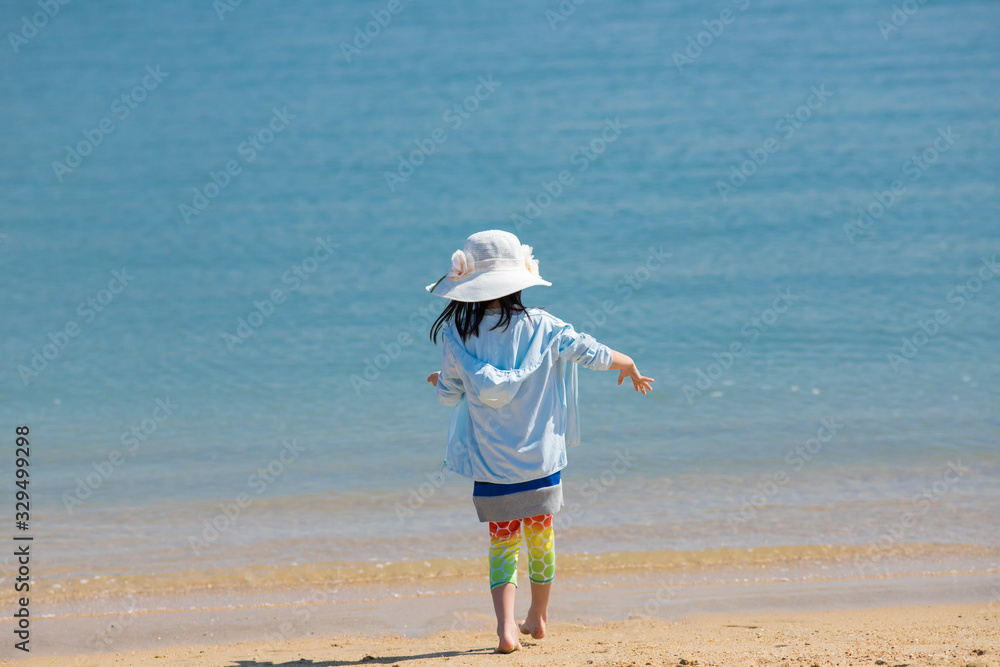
{"points": [[248, 156]]}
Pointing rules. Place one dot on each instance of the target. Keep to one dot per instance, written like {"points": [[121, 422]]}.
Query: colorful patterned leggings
{"points": [[505, 544]]}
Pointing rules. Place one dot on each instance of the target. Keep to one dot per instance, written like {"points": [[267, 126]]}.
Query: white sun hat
{"points": [[491, 265]]}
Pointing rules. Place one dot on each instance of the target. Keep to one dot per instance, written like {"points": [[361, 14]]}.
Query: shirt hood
{"points": [[496, 387]]}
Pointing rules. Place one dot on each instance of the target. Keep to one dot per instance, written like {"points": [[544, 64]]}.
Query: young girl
{"points": [[511, 372]]}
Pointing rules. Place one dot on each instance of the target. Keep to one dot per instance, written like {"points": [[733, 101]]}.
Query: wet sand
{"points": [[924, 605], [952, 635]]}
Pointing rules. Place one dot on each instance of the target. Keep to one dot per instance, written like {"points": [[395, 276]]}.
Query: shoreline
{"points": [[722, 564], [963, 635], [592, 589]]}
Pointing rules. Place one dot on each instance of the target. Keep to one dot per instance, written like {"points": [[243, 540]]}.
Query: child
{"points": [[508, 370]]}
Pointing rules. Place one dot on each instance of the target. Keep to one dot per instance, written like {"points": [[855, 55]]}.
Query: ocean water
{"points": [[216, 225]]}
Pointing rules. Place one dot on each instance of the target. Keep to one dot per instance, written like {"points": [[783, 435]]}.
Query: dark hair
{"points": [[468, 315]]}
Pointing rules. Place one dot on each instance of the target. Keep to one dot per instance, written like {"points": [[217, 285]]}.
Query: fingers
{"points": [[642, 384]]}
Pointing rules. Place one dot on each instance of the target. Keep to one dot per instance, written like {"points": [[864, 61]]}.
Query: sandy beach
{"points": [[927, 605], [241, 432], [959, 635]]}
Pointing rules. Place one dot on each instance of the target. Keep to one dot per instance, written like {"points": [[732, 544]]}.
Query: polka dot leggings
{"points": [[505, 545]]}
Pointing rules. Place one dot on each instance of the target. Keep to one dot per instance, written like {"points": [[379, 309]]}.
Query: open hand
{"points": [[433, 378], [639, 381]]}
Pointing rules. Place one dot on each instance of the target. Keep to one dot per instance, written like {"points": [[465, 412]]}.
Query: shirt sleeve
{"points": [[583, 349], [451, 389]]}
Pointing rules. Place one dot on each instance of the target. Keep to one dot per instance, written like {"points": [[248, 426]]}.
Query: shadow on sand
{"points": [[367, 660]]}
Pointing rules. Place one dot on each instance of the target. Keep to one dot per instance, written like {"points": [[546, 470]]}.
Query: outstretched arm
{"points": [[623, 362]]}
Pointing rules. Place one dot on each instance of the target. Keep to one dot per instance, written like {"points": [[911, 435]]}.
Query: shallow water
{"points": [[316, 197]]}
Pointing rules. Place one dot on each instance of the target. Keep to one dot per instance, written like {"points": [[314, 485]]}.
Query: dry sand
{"points": [[954, 635]]}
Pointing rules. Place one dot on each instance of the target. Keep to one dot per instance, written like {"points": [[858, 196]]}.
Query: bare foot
{"points": [[534, 627], [503, 604], [538, 615], [508, 644]]}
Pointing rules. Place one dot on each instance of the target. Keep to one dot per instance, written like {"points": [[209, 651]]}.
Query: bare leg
{"points": [[503, 605], [538, 612]]}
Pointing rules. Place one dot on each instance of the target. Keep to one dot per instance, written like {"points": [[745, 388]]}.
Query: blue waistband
{"points": [[493, 489]]}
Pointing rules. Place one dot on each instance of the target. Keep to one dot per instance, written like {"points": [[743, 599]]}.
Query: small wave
{"points": [[720, 565]]}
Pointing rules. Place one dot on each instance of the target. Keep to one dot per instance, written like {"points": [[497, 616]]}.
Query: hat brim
{"points": [[485, 286]]}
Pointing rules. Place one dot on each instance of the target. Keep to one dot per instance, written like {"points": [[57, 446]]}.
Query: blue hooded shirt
{"points": [[515, 392]]}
